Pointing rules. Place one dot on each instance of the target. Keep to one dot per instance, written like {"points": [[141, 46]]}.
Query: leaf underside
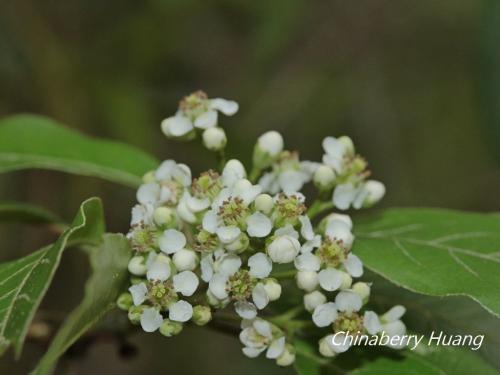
{"points": [[23, 282]]}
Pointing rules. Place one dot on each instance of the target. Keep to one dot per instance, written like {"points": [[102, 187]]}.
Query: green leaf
{"points": [[23, 282], [307, 362], [109, 263], [429, 361], [28, 141], [26, 213], [435, 252]]}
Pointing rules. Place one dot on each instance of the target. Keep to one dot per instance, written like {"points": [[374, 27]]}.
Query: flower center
{"points": [[194, 104], [143, 239], [288, 209], [206, 241], [332, 252], [161, 293], [241, 285], [208, 185], [349, 322], [234, 212]]}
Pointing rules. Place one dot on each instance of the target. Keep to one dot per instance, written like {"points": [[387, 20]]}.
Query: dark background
{"points": [[416, 84]]}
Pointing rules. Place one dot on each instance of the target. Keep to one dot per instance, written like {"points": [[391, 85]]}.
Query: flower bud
{"points": [[264, 203], [324, 347], [346, 281], [349, 145], [135, 312], [268, 147], [273, 289], [215, 302], [201, 315], [124, 301], [164, 216], [307, 280], [149, 177], [239, 245], [185, 260], [137, 266], [324, 177], [375, 191], [313, 299], [170, 328], [283, 249], [287, 357], [214, 138], [362, 289]]}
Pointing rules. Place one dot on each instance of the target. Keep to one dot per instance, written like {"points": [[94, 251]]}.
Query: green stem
{"points": [[318, 207], [284, 274], [254, 174], [221, 159]]}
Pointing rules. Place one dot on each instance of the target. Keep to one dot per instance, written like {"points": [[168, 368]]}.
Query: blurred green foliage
{"points": [[416, 85]]}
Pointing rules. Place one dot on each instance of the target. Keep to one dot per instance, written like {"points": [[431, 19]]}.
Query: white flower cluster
{"points": [[218, 240]]}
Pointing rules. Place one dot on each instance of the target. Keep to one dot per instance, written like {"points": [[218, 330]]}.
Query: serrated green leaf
{"points": [[23, 282], [429, 361], [26, 213], [28, 141], [435, 252], [109, 263]]}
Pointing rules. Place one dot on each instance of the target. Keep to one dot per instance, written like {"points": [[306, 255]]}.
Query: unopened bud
{"points": [[137, 265], [264, 203], [268, 147], [325, 348], [201, 315], [346, 281], [164, 216], [313, 299], [362, 289], [239, 245], [149, 177], [307, 280], [287, 357], [283, 249], [124, 301], [170, 328], [214, 138], [185, 260], [324, 177], [273, 289], [375, 192], [135, 312]]}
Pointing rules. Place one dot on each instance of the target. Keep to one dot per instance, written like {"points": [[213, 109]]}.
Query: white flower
{"points": [[258, 225], [198, 112], [214, 138], [362, 195], [142, 214], [153, 194], [324, 177], [283, 249], [189, 206], [271, 143], [288, 179], [336, 149], [348, 301], [264, 203], [307, 265], [151, 319], [169, 170], [390, 323], [257, 336]]}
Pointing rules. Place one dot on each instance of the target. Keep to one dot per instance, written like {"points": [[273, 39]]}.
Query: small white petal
{"points": [[348, 301], [197, 204], [276, 348], [271, 142], [171, 241], [176, 126], [229, 264], [291, 181], [151, 320], [287, 230], [138, 292], [206, 120], [306, 229], [245, 309], [228, 234], [330, 279], [164, 171], [185, 213], [233, 172], [148, 193], [307, 280], [259, 225], [324, 314], [252, 352], [207, 270], [339, 343], [396, 328], [217, 286], [260, 265], [181, 311], [228, 107], [210, 220], [259, 296], [394, 313], [263, 328], [313, 299], [372, 323], [307, 262], [353, 265], [185, 283], [334, 147], [182, 174], [310, 245], [344, 195], [340, 230], [158, 270]]}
